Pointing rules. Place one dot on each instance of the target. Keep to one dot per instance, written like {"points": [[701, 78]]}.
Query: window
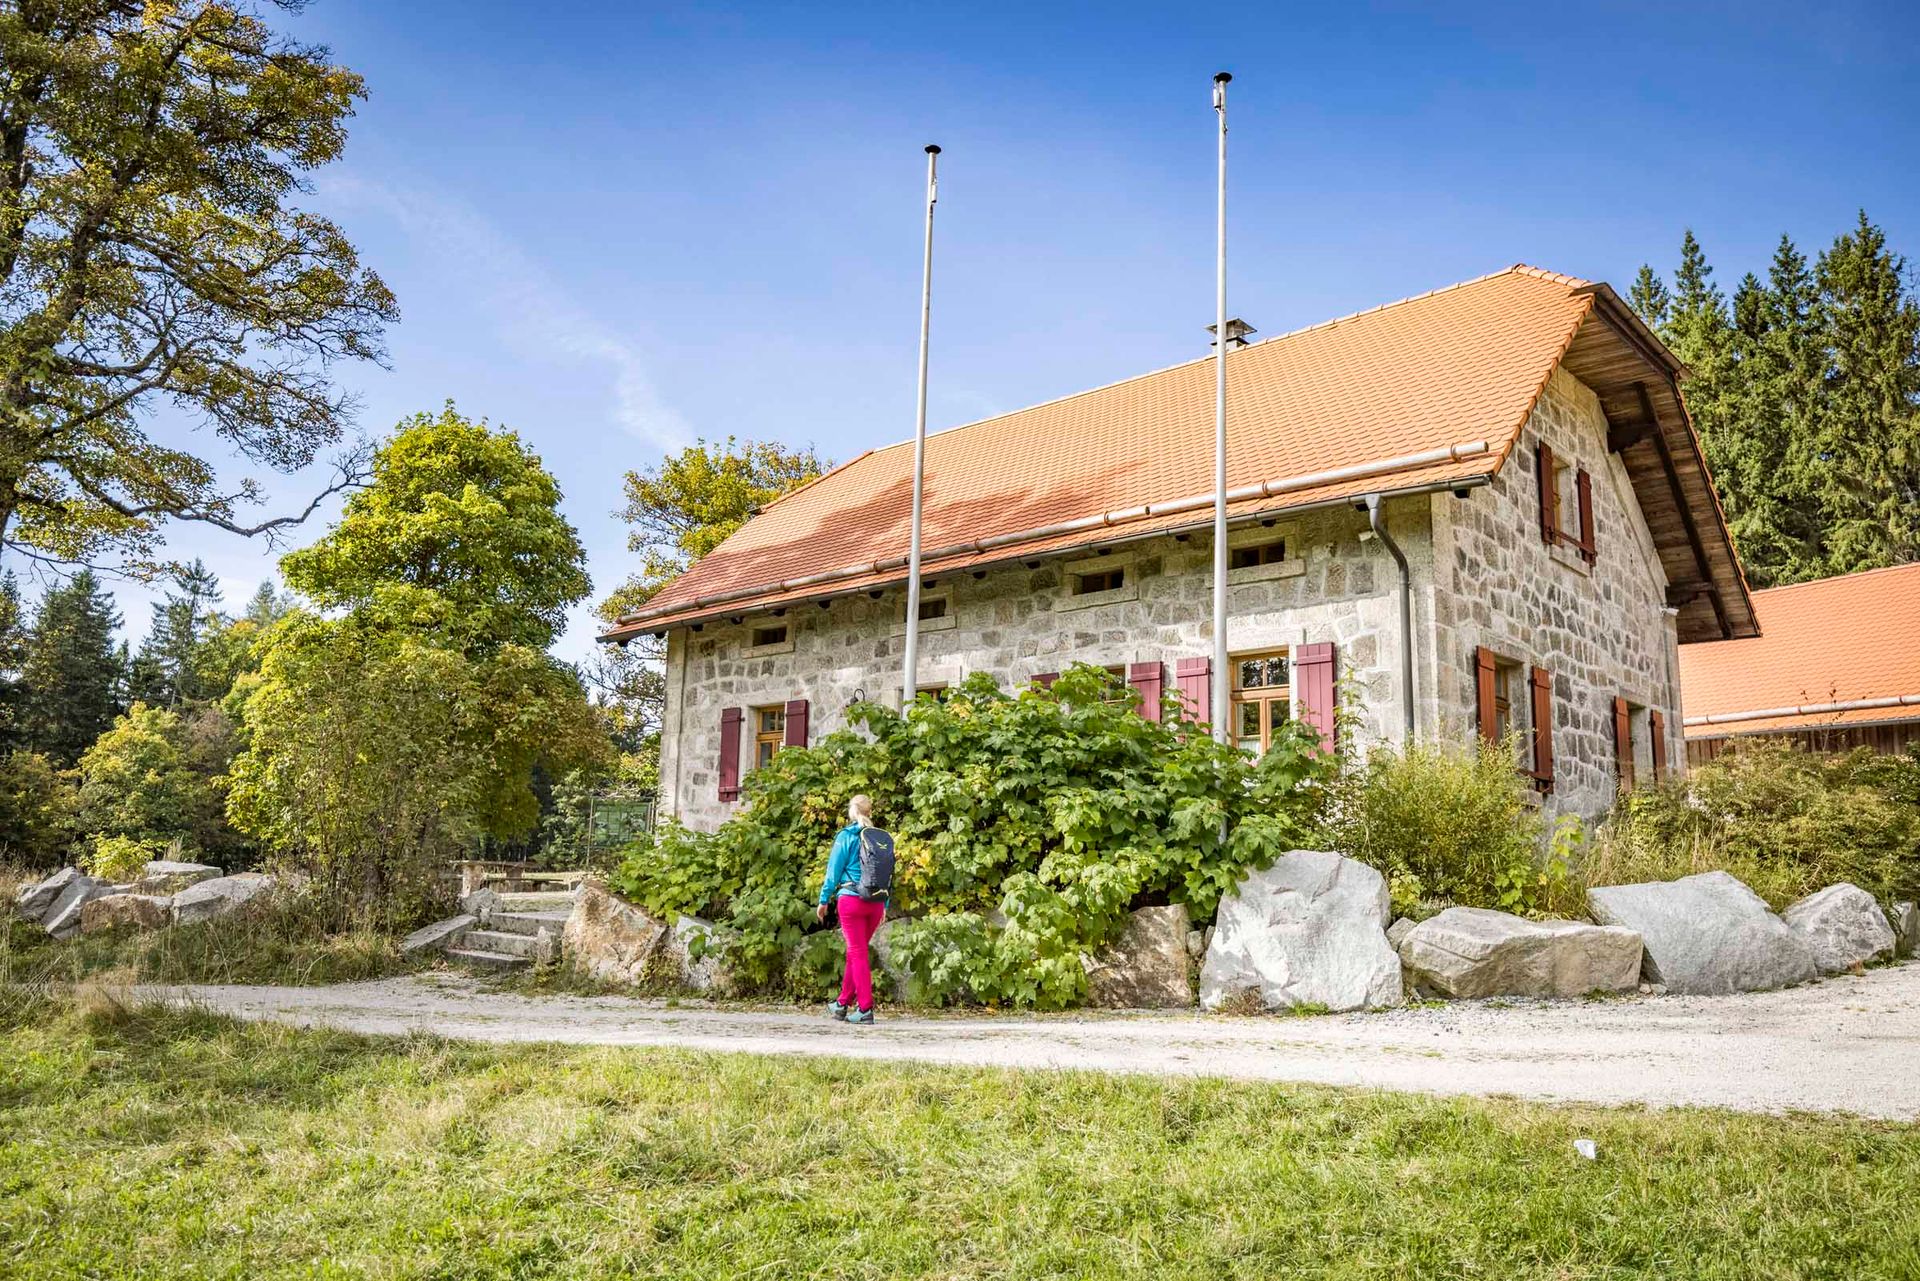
{"points": [[940, 693], [1566, 502], [936, 607], [774, 635], [1510, 710], [1099, 580], [1260, 554], [1262, 699], [769, 734]]}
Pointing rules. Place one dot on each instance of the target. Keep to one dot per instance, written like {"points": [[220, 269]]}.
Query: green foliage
{"points": [[1446, 825], [36, 810], [379, 744], [13, 653], [113, 857], [464, 512], [1806, 392], [168, 670], [374, 755], [71, 671], [1026, 826], [1784, 820], [151, 254], [686, 506], [138, 781]]}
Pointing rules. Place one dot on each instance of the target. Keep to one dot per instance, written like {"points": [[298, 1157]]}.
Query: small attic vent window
{"points": [[934, 608], [1261, 554], [1104, 580], [774, 635]]}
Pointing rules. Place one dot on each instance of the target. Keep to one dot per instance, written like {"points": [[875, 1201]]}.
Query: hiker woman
{"points": [[859, 916]]}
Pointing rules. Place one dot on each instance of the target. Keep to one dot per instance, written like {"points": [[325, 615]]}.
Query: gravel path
{"points": [[1850, 1044]]}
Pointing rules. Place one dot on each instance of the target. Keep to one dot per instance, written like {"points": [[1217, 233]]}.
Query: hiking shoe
{"points": [[860, 1016], [835, 1010]]}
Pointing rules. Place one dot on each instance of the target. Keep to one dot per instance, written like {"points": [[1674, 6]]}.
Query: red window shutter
{"points": [[1314, 698], [1148, 679], [1588, 551], [796, 723], [1045, 680], [1623, 742], [1483, 690], [730, 753], [1658, 723], [1543, 471], [1195, 679], [1543, 729]]}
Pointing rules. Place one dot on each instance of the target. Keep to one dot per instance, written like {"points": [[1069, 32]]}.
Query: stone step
{"points": [[486, 960], [527, 922], [498, 941], [531, 901]]}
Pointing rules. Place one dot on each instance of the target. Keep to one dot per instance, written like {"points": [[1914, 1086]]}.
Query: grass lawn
{"points": [[181, 1145]]}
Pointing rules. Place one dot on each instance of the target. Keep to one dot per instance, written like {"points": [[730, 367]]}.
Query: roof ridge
{"points": [[1838, 578], [1538, 273]]}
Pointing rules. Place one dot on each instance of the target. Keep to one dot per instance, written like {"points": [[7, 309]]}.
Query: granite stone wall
{"points": [[1601, 630], [1017, 622], [1481, 575]]}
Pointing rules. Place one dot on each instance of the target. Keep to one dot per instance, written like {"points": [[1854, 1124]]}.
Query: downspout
{"points": [[1406, 605]]}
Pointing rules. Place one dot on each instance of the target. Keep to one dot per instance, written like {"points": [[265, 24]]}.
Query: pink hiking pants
{"points": [[859, 918]]}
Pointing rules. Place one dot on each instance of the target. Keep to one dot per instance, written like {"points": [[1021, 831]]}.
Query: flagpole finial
{"points": [[933, 148], [1221, 77]]}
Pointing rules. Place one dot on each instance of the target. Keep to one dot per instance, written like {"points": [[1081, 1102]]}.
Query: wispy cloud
{"points": [[522, 300]]}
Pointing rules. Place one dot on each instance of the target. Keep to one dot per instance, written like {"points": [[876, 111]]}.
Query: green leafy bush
{"points": [[123, 858], [140, 782], [36, 810], [1784, 820], [1026, 825], [1445, 824]]}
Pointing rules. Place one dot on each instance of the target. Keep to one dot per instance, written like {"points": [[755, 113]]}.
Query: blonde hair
{"points": [[860, 809]]}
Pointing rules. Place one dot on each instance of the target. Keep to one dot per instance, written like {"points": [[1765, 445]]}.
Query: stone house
{"points": [[1481, 509], [1822, 673]]}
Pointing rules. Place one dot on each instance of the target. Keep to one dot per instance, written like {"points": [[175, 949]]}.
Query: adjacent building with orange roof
{"points": [[1835, 666], [1478, 509]]}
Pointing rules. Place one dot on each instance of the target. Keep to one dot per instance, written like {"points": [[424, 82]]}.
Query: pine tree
{"points": [[267, 605], [164, 673], [13, 651], [1869, 486], [1650, 298], [71, 671]]}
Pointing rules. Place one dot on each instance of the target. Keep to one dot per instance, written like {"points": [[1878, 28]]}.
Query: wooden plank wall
{"points": [[1887, 739]]}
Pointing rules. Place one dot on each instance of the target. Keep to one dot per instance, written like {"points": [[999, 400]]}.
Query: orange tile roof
{"points": [[1834, 640], [1458, 365]]}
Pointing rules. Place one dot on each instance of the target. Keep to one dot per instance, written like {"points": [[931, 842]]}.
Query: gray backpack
{"points": [[876, 863]]}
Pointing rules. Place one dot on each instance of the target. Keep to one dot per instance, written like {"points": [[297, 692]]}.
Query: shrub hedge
{"points": [[1027, 825]]}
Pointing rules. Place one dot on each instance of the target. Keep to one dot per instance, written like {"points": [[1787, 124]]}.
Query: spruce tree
{"points": [[71, 670], [1649, 297], [1869, 443], [13, 652], [164, 672]]}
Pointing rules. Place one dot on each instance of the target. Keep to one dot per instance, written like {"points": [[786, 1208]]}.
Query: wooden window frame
{"points": [[769, 725], [1265, 697]]}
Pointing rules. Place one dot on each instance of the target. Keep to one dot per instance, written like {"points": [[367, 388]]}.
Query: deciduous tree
{"points": [[151, 252]]}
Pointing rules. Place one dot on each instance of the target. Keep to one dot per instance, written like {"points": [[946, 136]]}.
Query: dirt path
{"points": [[1843, 1045]]}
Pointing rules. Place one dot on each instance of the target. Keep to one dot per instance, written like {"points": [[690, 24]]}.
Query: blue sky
{"points": [[618, 227]]}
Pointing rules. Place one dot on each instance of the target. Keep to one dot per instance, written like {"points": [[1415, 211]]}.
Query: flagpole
{"points": [[1222, 708], [909, 680]]}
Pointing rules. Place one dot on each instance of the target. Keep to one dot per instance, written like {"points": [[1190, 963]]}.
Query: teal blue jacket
{"points": [[843, 865]]}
